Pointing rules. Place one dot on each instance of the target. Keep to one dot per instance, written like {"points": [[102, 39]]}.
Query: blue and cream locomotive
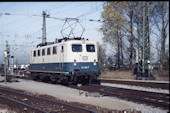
{"points": [[68, 60]]}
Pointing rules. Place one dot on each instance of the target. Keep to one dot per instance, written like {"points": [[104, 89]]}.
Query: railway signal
{"points": [[12, 64]]}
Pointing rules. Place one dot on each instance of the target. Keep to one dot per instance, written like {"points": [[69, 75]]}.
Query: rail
{"points": [[49, 100], [149, 98]]}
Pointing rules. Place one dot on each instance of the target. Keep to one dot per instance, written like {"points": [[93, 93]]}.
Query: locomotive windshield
{"points": [[90, 48], [77, 48]]}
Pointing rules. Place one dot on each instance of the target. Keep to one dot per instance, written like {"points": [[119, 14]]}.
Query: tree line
{"points": [[120, 31]]}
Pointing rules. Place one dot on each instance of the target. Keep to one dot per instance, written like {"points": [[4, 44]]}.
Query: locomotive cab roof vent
{"points": [[66, 39]]}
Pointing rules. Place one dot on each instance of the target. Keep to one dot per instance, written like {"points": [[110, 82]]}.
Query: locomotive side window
{"points": [[38, 52], [48, 51], [77, 48], [55, 50], [34, 53], [90, 48], [43, 52]]}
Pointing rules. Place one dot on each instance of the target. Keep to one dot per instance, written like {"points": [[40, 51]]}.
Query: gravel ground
{"points": [[6, 111], [68, 94]]}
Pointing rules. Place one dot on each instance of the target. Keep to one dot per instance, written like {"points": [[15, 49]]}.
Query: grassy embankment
{"points": [[160, 75]]}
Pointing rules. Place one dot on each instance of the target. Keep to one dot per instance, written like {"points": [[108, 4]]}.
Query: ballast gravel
{"points": [[136, 88], [72, 95]]}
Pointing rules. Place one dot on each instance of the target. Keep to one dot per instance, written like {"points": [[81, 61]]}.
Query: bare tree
{"points": [[161, 14], [114, 27], [120, 28], [101, 56]]}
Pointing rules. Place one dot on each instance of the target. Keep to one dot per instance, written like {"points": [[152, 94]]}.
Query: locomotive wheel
{"points": [[41, 78], [93, 80], [90, 79], [75, 79], [47, 79], [65, 80], [34, 76], [53, 79]]}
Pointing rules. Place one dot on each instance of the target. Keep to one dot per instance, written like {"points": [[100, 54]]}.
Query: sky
{"points": [[21, 24]]}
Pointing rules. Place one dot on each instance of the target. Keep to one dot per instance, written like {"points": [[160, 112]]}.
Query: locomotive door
{"points": [[62, 47]]}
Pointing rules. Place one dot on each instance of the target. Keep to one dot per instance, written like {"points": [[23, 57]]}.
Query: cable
{"points": [[65, 10], [91, 11], [58, 6], [23, 26], [14, 21], [54, 28], [29, 25], [8, 6]]}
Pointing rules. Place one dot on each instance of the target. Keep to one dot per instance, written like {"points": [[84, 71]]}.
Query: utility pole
{"points": [[144, 70], [44, 28], [6, 55], [5, 66]]}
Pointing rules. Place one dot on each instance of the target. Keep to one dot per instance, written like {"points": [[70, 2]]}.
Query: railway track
{"points": [[145, 97], [20, 105], [164, 86], [29, 103], [139, 83], [149, 98]]}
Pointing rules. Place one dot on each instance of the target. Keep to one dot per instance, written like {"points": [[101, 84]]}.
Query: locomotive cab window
{"points": [[90, 48], [48, 51], [77, 48], [38, 52], [55, 50], [43, 52], [34, 53]]}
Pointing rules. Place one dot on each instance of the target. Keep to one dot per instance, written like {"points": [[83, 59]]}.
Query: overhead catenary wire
{"points": [[69, 9], [58, 6], [14, 21], [9, 6], [50, 28], [89, 12], [22, 27], [32, 15]]}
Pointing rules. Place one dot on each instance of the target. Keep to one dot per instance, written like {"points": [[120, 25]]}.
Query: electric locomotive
{"points": [[67, 60]]}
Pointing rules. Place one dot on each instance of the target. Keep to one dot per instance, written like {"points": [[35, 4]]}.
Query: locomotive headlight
{"points": [[75, 64], [94, 62]]}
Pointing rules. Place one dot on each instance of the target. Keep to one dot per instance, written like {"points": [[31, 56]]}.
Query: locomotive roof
{"points": [[66, 42]]}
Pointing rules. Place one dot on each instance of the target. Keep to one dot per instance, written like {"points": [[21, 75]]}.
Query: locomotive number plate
{"points": [[84, 67]]}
